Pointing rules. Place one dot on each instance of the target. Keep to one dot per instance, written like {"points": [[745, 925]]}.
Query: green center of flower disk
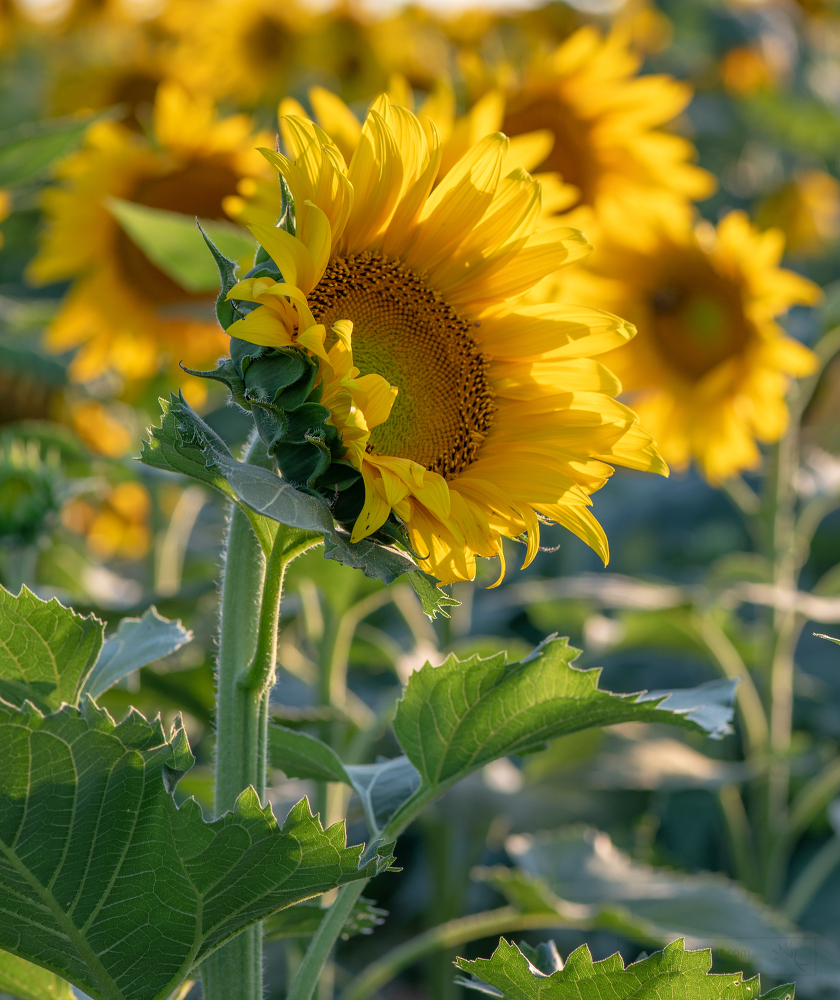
{"points": [[697, 318], [404, 332]]}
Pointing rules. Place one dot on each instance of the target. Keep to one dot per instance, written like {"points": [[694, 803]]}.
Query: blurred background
{"points": [[697, 142]]}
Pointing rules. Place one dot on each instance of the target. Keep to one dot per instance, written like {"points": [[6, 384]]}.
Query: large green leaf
{"points": [[176, 245], [454, 718], [583, 866], [46, 650], [29, 982], [184, 443], [137, 641], [381, 787], [106, 882], [670, 974], [30, 149]]}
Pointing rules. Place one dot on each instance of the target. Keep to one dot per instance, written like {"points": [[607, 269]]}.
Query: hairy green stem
{"points": [[250, 608], [236, 969]]}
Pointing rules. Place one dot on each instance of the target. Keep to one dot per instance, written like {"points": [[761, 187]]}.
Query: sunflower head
{"points": [[383, 344], [711, 366]]}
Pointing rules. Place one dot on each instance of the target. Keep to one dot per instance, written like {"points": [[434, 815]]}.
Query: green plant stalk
{"points": [[811, 879], [236, 969], [252, 588]]}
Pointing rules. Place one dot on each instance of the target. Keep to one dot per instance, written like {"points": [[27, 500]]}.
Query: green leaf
{"points": [[136, 642], [584, 867], [454, 718], [46, 650], [27, 151], [175, 243], [184, 443], [382, 787], [432, 598], [105, 881], [670, 974], [29, 982], [303, 919]]}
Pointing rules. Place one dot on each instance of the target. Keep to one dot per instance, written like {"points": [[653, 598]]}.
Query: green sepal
{"points": [[225, 313], [227, 374], [266, 376]]}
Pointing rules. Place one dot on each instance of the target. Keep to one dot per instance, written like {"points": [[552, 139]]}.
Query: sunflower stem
{"points": [[236, 969], [252, 588]]}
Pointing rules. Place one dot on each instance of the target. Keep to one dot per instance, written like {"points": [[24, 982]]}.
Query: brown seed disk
{"points": [[403, 331]]}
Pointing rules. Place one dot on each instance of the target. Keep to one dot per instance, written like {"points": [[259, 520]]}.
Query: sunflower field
{"points": [[419, 500]]}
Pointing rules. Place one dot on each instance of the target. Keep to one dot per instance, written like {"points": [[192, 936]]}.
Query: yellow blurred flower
{"points": [[710, 366], [606, 122], [117, 526], [122, 312], [745, 70], [242, 49], [807, 210], [102, 429]]}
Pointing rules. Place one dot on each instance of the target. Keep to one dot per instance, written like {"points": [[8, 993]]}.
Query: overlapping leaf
{"points": [[106, 882], [46, 650], [49, 654], [458, 716], [29, 982], [583, 866], [382, 787], [137, 641], [670, 974]]}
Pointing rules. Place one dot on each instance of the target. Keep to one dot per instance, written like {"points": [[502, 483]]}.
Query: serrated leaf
{"points": [[27, 151], [136, 642], [175, 243], [29, 982], [106, 882], [46, 650], [670, 974], [584, 867], [304, 919], [456, 717], [184, 443], [432, 599], [382, 787]]}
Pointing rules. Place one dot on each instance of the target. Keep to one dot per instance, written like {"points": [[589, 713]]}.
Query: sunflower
{"points": [[122, 312], [241, 49], [468, 416], [607, 127], [710, 366]]}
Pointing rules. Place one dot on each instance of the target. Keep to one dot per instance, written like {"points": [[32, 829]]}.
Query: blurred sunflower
{"points": [[242, 49], [710, 366], [470, 416], [807, 210], [122, 312], [117, 525], [607, 127]]}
